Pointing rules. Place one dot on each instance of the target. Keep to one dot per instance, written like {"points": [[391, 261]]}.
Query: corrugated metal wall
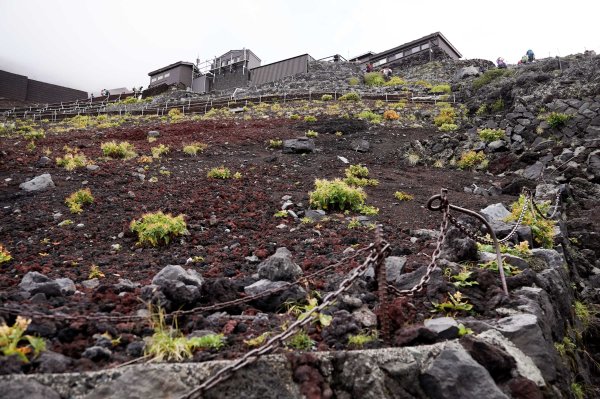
{"points": [[13, 86], [278, 70], [19, 87]]}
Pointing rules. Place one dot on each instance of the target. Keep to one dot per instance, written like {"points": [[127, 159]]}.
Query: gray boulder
{"points": [[279, 267], [454, 374], [393, 268], [38, 183], [593, 163], [301, 145], [142, 384], [523, 330], [444, 327], [179, 285], [497, 145], [533, 172], [468, 72], [495, 212], [360, 145], [274, 301], [34, 283]]}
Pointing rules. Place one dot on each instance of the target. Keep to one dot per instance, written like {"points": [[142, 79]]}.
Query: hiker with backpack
{"points": [[500, 62], [530, 55]]}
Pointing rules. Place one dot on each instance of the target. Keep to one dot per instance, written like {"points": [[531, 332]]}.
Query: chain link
{"points": [[556, 203], [251, 356], [436, 253]]}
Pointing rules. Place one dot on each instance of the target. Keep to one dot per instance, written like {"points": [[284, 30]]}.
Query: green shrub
{"points": [[35, 134], [300, 341], [219, 173], [448, 127], [402, 196], [194, 148], [159, 150], [175, 114], [310, 118], [489, 135], [542, 229], [471, 160], [395, 81], [353, 81], [357, 176], [374, 79], [294, 117], [4, 255], [359, 340], [276, 143], [123, 150], [326, 97], [312, 134], [79, 198], [446, 115], [13, 342], [557, 119], [336, 195], [489, 76], [441, 89], [482, 110], [156, 228], [352, 96], [370, 116], [497, 105], [72, 159]]}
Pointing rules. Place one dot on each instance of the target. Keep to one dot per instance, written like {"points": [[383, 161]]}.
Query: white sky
{"points": [[95, 44]]}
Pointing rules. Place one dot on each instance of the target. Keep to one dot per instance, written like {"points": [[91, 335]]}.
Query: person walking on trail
{"points": [[500, 62], [369, 67], [524, 59], [530, 55], [387, 73]]}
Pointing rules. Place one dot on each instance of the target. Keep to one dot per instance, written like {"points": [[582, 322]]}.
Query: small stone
{"points": [[96, 353], [38, 183], [91, 284], [92, 168], [153, 133], [365, 316]]}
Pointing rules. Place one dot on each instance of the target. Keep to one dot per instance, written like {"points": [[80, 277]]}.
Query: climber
{"points": [[530, 55], [500, 62]]}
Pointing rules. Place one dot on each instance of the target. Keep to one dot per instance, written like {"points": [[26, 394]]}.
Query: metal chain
{"points": [[251, 356], [556, 203], [200, 309], [436, 253], [482, 240]]}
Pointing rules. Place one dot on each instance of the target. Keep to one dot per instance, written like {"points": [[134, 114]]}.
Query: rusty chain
{"points": [[177, 313], [444, 205], [226, 372]]}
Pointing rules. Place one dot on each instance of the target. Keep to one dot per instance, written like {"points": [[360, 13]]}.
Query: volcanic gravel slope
{"points": [[228, 220]]}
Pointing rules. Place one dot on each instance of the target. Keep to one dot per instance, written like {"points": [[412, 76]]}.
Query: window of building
{"points": [[153, 80], [381, 62], [167, 74], [416, 49], [399, 55], [425, 46], [159, 77]]}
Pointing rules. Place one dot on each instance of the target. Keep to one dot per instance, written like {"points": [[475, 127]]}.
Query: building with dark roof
{"points": [[179, 73], [428, 48]]}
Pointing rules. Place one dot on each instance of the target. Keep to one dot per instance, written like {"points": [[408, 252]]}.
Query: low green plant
{"points": [[122, 150], [489, 76], [79, 198], [4, 255], [423, 83], [339, 134], [521, 250], [463, 279], [446, 115], [352, 96], [237, 175], [95, 272], [353, 81], [489, 135], [441, 89], [167, 343], [159, 150], [497, 105], [509, 270], [557, 119], [220, 172], [472, 160], [257, 341], [448, 127], [72, 159], [326, 97], [374, 79], [300, 341], [370, 116], [303, 311], [482, 110], [354, 223], [281, 214], [194, 148], [402, 196], [14, 342], [454, 304], [275, 143], [462, 330], [395, 81], [312, 134], [577, 390], [584, 313], [66, 222], [157, 228], [175, 114], [359, 340], [294, 117], [413, 158], [35, 134], [542, 229], [368, 210], [336, 195], [310, 119]]}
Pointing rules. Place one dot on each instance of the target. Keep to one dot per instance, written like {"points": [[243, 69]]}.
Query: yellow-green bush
{"points": [[441, 89], [220, 172], [471, 160], [13, 342], [446, 115], [122, 150], [370, 116], [336, 195], [326, 97], [194, 148], [402, 196], [489, 135], [72, 159], [353, 81], [157, 228], [395, 81], [374, 79], [352, 96], [448, 127], [542, 229], [159, 150], [4, 255], [79, 198]]}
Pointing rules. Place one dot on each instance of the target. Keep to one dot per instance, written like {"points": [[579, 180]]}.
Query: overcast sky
{"points": [[90, 45]]}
